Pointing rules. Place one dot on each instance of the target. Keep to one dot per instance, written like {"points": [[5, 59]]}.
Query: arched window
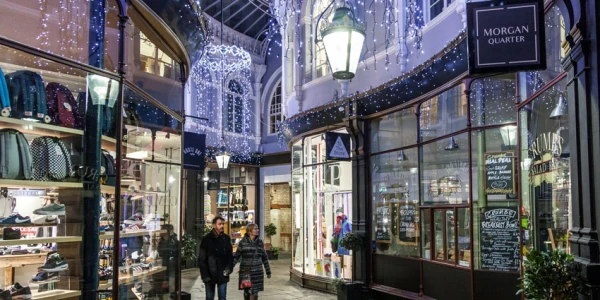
{"points": [[235, 106], [319, 56], [275, 113]]}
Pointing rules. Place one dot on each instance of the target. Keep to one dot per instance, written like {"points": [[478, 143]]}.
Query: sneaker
{"points": [[135, 220], [135, 227], [105, 275], [45, 220], [15, 219], [18, 292], [51, 209], [55, 264], [5, 295], [45, 277], [107, 228]]}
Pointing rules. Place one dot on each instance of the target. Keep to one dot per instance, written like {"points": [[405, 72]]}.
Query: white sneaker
{"points": [[42, 220]]}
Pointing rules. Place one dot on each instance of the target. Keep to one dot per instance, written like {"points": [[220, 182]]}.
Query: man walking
{"points": [[216, 260]]}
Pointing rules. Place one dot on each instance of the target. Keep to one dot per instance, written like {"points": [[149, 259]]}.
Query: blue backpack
{"points": [[27, 95]]}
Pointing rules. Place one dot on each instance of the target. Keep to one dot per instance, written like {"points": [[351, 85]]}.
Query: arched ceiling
{"points": [[250, 17]]}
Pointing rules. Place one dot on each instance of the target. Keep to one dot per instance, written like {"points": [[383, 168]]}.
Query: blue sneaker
{"points": [[15, 219], [45, 277]]}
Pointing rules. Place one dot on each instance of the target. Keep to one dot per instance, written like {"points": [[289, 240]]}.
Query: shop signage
{"points": [[500, 240], [408, 224], [214, 180], [383, 220], [337, 145], [499, 173], [506, 36], [194, 150]]}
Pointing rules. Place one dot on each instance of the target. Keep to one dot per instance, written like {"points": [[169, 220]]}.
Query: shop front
{"points": [[321, 212], [464, 177], [91, 152]]}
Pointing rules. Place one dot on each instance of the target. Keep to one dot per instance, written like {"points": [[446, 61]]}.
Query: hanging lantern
{"points": [[343, 40]]}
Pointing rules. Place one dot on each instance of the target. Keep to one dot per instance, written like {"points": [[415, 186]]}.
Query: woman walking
{"points": [[251, 251]]}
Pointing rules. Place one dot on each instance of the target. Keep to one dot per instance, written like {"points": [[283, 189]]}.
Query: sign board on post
{"points": [[506, 36], [194, 150], [337, 145]]}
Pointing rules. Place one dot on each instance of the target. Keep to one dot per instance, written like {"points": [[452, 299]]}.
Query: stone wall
{"points": [[277, 196]]}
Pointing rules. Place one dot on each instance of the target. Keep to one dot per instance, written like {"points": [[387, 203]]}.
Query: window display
{"points": [[322, 209], [234, 199]]}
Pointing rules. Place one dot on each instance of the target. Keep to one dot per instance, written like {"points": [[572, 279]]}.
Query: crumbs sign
{"points": [[506, 36]]}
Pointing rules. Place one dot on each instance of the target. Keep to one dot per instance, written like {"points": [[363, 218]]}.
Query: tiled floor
{"points": [[279, 287]]}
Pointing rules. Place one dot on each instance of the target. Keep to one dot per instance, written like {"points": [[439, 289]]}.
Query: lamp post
{"points": [[223, 156], [103, 90], [343, 40]]}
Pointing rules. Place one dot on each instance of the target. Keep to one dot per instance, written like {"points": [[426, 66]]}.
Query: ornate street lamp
{"points": [[103, 90], [223, 156], [343, 40]]}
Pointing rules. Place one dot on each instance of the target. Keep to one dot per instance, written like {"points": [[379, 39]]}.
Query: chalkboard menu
{"points": [[499, 173], [383, 221], [500, 239], [408, 224]]}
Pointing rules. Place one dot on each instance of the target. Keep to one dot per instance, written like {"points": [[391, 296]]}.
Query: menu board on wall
{"points": [[500, 239], [499, 173], [408, 224], [383, 221]]}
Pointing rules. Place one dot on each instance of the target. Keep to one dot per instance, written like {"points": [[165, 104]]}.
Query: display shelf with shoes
{"points": [[132, 233], [21, 260], [57, 294], [41, 240], [15, 183]]}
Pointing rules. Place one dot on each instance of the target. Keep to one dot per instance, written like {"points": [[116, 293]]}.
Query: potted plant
{"points": [[337, 283], [270, 230], [349, 290], [550, 275], [188, 249], [273, 254]]}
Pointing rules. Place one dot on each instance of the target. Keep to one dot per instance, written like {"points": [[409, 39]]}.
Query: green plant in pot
{"points": [[550, 276], [270, 230], [188, 248], [348, 290]]}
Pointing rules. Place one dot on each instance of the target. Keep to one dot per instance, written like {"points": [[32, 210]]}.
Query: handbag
{"points": [[246, 281]]}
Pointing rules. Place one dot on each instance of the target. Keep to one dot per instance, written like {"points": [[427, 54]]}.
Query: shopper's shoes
{"points": [[45, 277], [45, 220], [51, 209], [55, 264], [5, 295], [16, 219], [18, 292]]}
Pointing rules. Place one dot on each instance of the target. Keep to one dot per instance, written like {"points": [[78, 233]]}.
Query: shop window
{"points": [[533, 81], [153, 60], [395, 130], [445, 171], [322, 212], [396, 224], [443, 114], [430, 9], [493, 100], [545, 171], [495, 200], [449, 240], [319, 63], [275, 113]]}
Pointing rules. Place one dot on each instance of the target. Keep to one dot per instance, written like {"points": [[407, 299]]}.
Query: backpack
{"points": [[108, 118], [27, 95], [15, 155], [62, 106], [51, 159], [4, 97], [107, 163]]}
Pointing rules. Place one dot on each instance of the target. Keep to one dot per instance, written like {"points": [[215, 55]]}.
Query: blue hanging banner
{"points": [[337, 146], [194, 150]]}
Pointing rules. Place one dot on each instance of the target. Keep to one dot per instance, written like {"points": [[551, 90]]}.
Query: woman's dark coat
{"points": [[253, 256]]}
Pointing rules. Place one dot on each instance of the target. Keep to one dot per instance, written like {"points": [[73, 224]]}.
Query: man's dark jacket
{"points": [[216, 256]]}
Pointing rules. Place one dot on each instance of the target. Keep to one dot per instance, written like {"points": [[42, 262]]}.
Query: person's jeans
{"points": [[210, 291]]}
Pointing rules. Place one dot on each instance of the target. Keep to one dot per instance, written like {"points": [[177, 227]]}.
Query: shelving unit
{"points": [[38, 128], [129, 279], [12, 183], [16, 261], [28, 225], [110, 234], [55, 295], [44, 240]]}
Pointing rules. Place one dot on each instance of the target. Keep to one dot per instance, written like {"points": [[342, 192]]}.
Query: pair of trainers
{"points": [[54, 263], [16, 292]]}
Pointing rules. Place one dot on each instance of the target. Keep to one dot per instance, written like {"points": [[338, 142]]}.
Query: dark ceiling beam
{"points": [[264, 10], [226, 8], [246, 18], [254, 24], [237, 12], [205, 9]]}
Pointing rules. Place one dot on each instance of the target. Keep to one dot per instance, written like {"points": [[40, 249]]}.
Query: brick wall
{"points": [[279, 194]]}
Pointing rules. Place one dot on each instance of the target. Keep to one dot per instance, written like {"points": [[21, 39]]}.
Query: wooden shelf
{"points": [[59, 239], [16, 261], [129, 279], [12, 183], [55, 295], [110, 234], [38, 128], [27, 225], [107, 189]]}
